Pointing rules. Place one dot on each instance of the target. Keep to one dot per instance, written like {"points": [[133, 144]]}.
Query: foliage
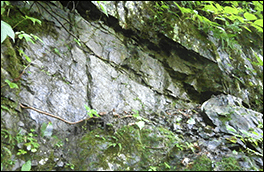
{"points": [[225, 20], [27, 142], [11, 84], [46, 129], [91, 112], [28, 37], [229, 164], [203, 163], [26, 166], [102, 6], [70, 165], [21, 53], [246, 137], [7, 30]]}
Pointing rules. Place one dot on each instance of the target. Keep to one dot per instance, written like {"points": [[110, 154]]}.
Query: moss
{"points": [[202, 163], [15, 18], [100, 146], [12, 64], [229, 164], [49, 165]]}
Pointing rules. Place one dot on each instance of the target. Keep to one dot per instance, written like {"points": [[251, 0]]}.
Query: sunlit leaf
{"points": [[11, 84], [36, 38], [6, 30], [26, 166], [87, 108], [259, 22], [27, 58], [219, 7], [103, 8], [26, 36], [230, 10], [249, 16], [254, 132], [191, 121], [48, 130], [164, 6], [230, 128], [33, 20], [259, 29], [210, 8], [140, 124], [4, 107]]}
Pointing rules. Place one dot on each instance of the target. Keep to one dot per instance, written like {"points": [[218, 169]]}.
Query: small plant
{"points": [[4, 107], [151, 168], [91, 112], [11, 84], [46, 129], [26, 166], [102, 137], [229, 164], [247, 137], [21, 53], [70, 165], [57, 51], [77, 41], [30, 142], [102, 6], [28, 38], [167, 165], [116, 143], [6, 30], [59, 144]]}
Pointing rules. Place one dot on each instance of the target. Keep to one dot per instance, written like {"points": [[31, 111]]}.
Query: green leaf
{"points": [[77, 41], [21, 53], [22, 35], [136, 114], [164, 6], [43, 128], [36, 38], [94, 112], [6, 30], [210, 8], [103, 8], [259, 29], [33, 20], [231, 128], [230, 10], [219, 7], [26, 166], [2, 10], [259, 22], [249, 16], [4, 107], [87, 108], [33, 150], [48, 130], [57, 51], [254, 132], [191, 121], [247, 28], [11, 84], [167, 165], [27, 58], [140, 124]]}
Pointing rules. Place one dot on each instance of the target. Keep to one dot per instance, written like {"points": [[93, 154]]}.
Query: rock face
{"points": [[227, 112], [104, 63]]}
